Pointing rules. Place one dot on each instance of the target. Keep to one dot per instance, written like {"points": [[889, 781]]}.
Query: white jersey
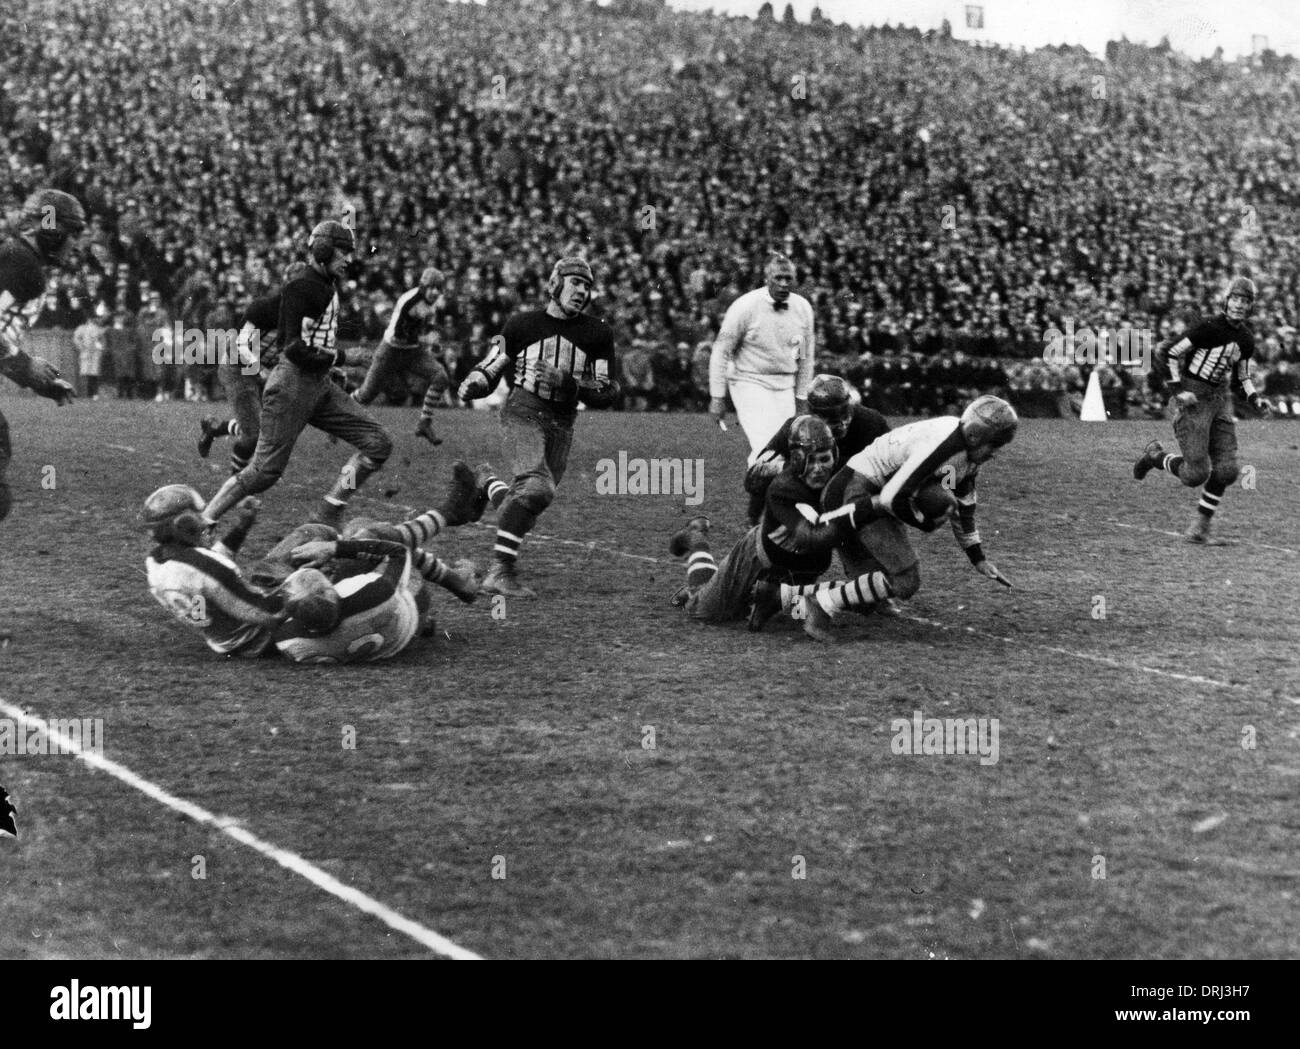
{"points": [[377, 619], [204, 590]]}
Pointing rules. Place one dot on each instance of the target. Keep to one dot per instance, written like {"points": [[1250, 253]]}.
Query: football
{"points": [[934, 501]]}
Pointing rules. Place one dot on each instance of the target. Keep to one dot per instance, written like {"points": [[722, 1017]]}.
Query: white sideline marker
{"points": [[288, 860]]}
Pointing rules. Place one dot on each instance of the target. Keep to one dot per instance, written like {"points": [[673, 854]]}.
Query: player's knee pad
{"points": [[1223, 474], [907, 582], [1195, 472], [536, 493]]}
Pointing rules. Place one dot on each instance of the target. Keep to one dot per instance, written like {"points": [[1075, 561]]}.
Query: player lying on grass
{"points": [[916, 476], [370, 610], [1218, 353], [782, 549]]}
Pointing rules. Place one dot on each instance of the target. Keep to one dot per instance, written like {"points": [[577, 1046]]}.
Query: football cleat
{"points": [[464, 502], [502, 579], [681, 596], [680, 543], [1149, 460], [1199, 532], [327, 513], [424, 428], [817, 625], [208, 427], [462, 581], [767, 603]]}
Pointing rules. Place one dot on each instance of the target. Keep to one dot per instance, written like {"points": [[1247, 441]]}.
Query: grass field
{"points": [[1120, 738]]}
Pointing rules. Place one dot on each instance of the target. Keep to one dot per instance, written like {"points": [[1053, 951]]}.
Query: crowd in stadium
{"points": [[945, 204]]}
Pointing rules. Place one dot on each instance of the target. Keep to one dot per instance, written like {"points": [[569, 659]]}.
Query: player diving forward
{"points": [[51, 221], [915, 476], [1218, 353], [784, 549], [400, 352]]}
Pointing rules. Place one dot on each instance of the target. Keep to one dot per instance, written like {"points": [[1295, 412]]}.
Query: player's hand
{"points": [[808, 513], [314, 553], [988, 568], [61, 392], [474, 387], [718, 409], [41, 374], [1261, 405], [1185, 399]]}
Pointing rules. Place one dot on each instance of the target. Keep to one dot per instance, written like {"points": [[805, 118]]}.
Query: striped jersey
{"points": [[260, 331], [411, 318], [204, 589], [900, 463], [309, 317], [1220, 351], [378, 616], [582, 347], [779, 527], [22, 291]]}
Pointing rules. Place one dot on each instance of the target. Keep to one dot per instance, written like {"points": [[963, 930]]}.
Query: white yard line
{"points": [[289, 860]]}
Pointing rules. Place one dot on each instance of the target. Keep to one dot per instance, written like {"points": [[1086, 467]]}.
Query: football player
{"points": [[244, 380], [413, 318], [918, 476], [784, 549], [300, 392], [553, 359], [1203, 366], [50, 223], [853, 426], [198, 580]]}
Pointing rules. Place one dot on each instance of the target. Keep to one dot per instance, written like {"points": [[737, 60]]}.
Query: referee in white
{"points": [[764, 356]]}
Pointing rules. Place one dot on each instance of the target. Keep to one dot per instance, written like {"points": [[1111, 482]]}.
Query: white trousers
{"points": [[761, 411]]}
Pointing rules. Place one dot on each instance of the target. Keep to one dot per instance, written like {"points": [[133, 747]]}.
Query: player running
{"points": [[553, 359], [50, 222], [400, 353], [300, 392], [245, 379], [1218, 353], [784, 549], [917, 476]]}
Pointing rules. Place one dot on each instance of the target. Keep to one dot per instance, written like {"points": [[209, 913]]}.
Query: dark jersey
{"points": [[780, 523], [1220, 352], [262, 317], [22, 287], [412, 317], [309, 320], [582, 347]]}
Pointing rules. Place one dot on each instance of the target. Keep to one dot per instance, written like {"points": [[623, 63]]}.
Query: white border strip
{"points": [[286, 859]]}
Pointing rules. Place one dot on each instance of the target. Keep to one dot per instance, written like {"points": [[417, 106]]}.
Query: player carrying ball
{"points": [[1218, 353]]}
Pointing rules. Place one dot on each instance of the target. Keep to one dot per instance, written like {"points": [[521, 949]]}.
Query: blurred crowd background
{"points": [[945, 204]]}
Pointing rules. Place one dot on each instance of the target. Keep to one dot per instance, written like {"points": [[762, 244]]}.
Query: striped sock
{"points": [[507, 546], [700, 567], [419, 530], [431, 398], [238, 462], [1211, 496], [496, 492], [856, 593], [1172, 463], [232, 428], [792, 592]]}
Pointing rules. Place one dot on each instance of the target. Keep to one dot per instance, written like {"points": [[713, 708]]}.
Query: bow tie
{"points": [[778, 306]]}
